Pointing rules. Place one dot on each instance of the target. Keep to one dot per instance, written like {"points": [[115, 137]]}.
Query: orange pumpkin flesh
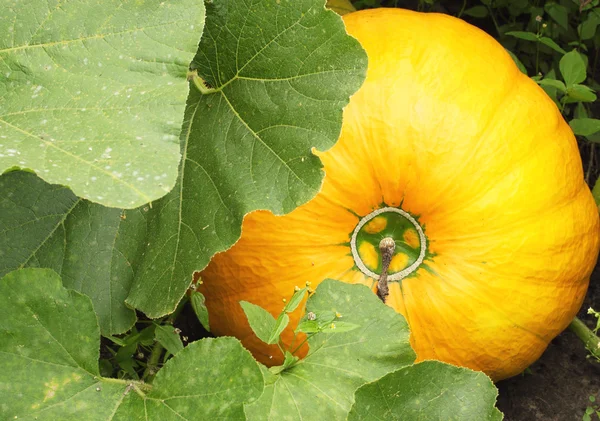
{"points": [[446, 129]]}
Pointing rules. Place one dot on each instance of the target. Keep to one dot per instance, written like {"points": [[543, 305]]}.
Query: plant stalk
{"points": [[157, 349], [587, 336]]}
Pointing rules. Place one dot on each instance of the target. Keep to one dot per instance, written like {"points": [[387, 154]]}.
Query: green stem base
{"points": [[587, 336]]}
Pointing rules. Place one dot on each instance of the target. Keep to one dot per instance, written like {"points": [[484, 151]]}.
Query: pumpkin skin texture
{"points": [[447, 129]]}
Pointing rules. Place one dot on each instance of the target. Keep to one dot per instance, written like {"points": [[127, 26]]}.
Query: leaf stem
{"points": [[462, 9], [157, 349], [303, 342], [139, 386], [587, 336]]}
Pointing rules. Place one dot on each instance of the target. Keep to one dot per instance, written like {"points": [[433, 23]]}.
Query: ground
{"points": [[560, 382]]}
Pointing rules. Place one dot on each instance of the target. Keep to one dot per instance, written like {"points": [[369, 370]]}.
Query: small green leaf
{"points": [[106, 368], [592, 398], [528, 36], [585, 126], [580, 93], [168, 338], [596, 194], [341, 7], [50, 342], [518, 62], [287, 362], [580, 111], [587, 29], [572, 67], [262, 322], [338, 327], [198, 304], [295, 300], [322, 385], [430, 390], [280, 324], [553, 83], [550, 43], [559, 13], [116, 340], [324, 317], [477, 11], [308, 326]]}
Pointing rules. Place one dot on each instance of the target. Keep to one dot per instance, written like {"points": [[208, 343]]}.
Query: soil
{"points": [[557, 387]]}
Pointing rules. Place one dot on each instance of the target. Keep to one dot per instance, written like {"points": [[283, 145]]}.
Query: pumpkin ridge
{"points": [[480, 145]]}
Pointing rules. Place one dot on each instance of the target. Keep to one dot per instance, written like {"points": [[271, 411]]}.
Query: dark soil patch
{"points": [[560, 382]]}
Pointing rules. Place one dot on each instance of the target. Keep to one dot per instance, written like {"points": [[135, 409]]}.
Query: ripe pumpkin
{"points": [[467, 164]]}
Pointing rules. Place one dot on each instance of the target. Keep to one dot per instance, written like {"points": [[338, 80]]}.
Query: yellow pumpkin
{"points": [[467, 164]]}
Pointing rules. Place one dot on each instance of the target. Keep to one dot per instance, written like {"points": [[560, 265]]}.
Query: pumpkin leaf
{"points": [[168, 338], [585, 126], [279, 77], [92, 94], [572, 68], [198, 304], [427, 391], [95, 249], [322, 385], [50, 344]]}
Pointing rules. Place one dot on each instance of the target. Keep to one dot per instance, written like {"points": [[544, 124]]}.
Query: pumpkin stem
{"points": [[387, 246]]}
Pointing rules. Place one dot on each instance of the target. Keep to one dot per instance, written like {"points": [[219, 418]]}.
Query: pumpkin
{"points": [[469, 167]]}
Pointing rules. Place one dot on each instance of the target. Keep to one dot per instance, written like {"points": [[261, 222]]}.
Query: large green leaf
{"points": [[49, 344], [431, 390], [280, 74], [95, 249], [92, 93], [322, 385]]}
